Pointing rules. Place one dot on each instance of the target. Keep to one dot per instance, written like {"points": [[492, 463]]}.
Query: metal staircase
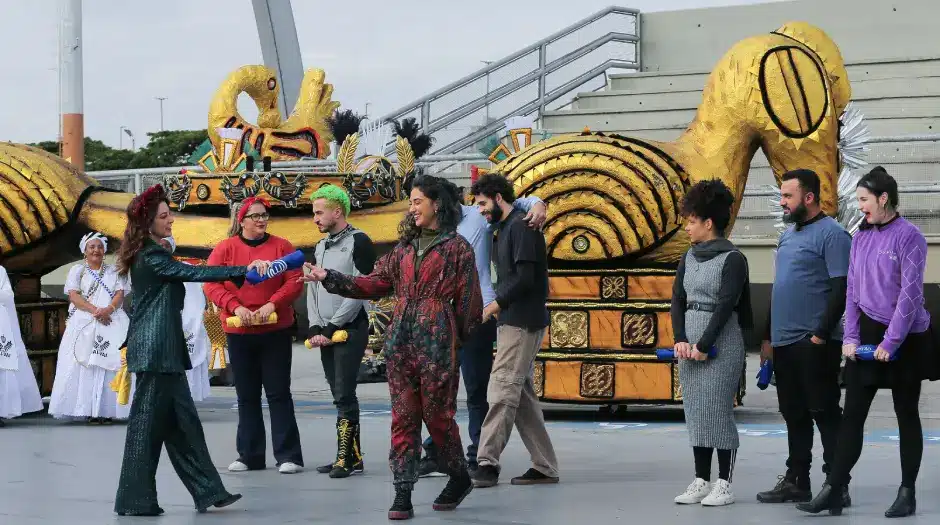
{"points": [[541, 77]]}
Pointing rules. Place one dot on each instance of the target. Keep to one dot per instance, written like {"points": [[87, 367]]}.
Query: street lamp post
{"points": [[125, 129], [161, 99], [487, 117]]}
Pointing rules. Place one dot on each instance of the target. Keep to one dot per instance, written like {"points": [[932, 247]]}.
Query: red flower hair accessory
{"points": [[151, 195], [247, 204]]}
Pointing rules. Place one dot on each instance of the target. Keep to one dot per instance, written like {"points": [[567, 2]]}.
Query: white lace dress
{"points": [[19, 392], [90, 352]]}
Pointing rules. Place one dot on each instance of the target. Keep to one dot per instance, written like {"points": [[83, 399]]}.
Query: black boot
{"points": [[347, 457], [789, 488], [829, 498], [328, 468], [457, 488], [401, 508], [905, 504], [358, 465]]}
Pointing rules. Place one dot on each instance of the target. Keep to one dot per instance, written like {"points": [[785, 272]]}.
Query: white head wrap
{"points": [[172, 242], [91, 237]]}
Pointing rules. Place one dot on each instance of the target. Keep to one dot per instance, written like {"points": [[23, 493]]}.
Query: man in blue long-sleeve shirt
{"points": [[476, 355]]}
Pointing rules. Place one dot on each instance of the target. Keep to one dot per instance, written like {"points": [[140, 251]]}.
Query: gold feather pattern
{"points": [[37, 192], [406, 157], [346, 158]]}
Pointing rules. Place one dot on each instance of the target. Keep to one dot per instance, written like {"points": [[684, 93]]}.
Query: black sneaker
{"points": [[485, 476], [325, 469], [454, 492], [786, 490], [428, 468], [401, 508], [533, 477]]}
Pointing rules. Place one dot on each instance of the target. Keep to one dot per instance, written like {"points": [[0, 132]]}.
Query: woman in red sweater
{"points": [[260, 354]]}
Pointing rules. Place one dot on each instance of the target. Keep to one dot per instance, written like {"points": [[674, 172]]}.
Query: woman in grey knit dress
{"points": [[710, 309]]}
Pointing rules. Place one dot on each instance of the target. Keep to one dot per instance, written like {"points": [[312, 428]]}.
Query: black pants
{"points": [[264, 360], [341, 362], [807, 392], [703, 463], [476, 364], [163, 414], [858, 399]]}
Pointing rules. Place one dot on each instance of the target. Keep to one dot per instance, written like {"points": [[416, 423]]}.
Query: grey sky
{"points": [[382, 52]]}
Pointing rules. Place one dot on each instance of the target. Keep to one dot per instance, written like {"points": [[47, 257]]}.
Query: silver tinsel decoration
{"points": [[853, 149]]}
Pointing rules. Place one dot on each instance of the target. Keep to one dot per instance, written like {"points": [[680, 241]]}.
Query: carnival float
{"points": [[613, 230]]}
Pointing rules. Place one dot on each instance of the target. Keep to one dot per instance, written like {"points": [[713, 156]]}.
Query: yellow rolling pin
{"points": [[339, 336], [236, 322]]}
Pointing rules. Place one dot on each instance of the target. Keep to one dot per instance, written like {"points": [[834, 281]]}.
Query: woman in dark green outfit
{"points": [[162, 411]]}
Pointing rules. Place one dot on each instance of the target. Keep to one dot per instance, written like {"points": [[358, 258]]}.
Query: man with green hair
{"points": [[349, 251]]}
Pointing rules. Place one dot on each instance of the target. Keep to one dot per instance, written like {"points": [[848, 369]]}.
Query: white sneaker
{"points": [[237, 466], [289, 468], [720, 495], [696, 492]]}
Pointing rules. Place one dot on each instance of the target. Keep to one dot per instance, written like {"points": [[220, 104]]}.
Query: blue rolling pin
{"points": [[291, 261], [765, 374], [867, 353], [668, 354]]}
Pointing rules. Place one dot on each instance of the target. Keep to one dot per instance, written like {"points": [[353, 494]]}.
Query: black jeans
{"points": [[341, 362], [808, 391], [264, 360], [858, 399], [476, 363]]}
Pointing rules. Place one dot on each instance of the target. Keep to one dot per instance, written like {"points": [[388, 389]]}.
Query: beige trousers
{"points": [[512, 400]]}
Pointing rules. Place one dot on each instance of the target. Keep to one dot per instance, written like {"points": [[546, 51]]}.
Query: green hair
{"points": [[334, 195]]}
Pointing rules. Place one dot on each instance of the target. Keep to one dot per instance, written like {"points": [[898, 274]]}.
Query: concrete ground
{"points": [[613, 470]]}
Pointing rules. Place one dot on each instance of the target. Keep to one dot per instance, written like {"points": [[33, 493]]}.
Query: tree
{"points": [[165, 148]]}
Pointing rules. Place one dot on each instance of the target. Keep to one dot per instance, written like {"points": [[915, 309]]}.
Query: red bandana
{"points": [[247, 204]]}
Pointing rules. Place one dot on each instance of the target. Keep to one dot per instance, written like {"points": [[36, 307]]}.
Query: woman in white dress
{"points": [[19, 392], [194, 329], [90, 352]]}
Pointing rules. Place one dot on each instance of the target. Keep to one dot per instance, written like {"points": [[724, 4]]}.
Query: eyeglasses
{"points": [[257, 217]]}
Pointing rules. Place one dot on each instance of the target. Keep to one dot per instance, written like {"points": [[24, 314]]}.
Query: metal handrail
{"points": [[544, 68], [494, 126]]}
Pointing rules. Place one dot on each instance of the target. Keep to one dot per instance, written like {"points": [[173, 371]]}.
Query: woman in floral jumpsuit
{"points": [[432, 273]]}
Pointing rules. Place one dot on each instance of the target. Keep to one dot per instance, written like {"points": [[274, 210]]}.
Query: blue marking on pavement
{"points": [[382, 410]]}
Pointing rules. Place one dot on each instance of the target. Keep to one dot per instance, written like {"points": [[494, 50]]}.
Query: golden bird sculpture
{"points": [[304, 133], [613, 199]]}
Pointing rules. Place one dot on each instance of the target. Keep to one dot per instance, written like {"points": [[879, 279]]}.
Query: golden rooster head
{"points": [[786, 90]]}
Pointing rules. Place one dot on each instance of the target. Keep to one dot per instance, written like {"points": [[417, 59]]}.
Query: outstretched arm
{"points": [[363, 264], [169, 269], [376, 285]]}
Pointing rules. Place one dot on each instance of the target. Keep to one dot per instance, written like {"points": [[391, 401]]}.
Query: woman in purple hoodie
{"points": [[884, 308]]}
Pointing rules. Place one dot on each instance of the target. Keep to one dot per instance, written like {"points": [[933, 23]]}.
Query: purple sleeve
{"points": [[852, 312], [913, 255]]}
